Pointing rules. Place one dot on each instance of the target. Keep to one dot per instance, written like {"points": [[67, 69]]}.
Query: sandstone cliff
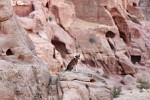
{"points": [[110, 35], [40, 37]]}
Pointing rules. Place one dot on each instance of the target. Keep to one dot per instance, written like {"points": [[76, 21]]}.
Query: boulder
{"points": [[64, 14], [23, 8], [128, 80], [78, 86]]}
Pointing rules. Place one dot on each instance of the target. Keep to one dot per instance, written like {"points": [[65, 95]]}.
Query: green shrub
{"points": [[136, 70], [78, 46], [143, 84], [116, 91], [92, 40], [50, 18]]}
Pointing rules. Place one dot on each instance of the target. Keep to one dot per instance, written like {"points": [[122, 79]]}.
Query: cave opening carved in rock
{"points": [[47, 5], [9, 52], [135, 59], [123, 36], [60, 47], [134, 4], [110, 34]]}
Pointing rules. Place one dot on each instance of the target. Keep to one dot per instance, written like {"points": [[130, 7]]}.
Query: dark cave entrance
{"points": [[123, 36], [61, 47], [9, 52], [135, 59], [134, 4], [110, 34], [47, 5]]}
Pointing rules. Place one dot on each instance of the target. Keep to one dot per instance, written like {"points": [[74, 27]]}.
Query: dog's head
{"points": [[77, 56]]}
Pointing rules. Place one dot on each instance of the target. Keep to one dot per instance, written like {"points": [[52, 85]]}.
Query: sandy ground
{"points": [[134, 95]]}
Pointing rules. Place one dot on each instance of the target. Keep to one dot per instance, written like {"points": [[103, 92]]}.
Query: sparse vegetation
{"points": [[50, 18], [21, 57], [143, 84], [116, 91], [92, 40], [78, 46], [136, 70]]}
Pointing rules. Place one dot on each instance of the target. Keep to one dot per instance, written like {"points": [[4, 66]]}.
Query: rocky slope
{"points": [[110, 35]]}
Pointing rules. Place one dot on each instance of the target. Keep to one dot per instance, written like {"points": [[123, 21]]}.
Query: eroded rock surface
{"points": [[81, 86], [112, 37], [113, 30], [23, 76]]}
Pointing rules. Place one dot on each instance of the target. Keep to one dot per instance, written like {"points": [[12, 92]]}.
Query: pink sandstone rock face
{"points": [[95, 11], [144, 6], [99, 27], [23, 75], [19, 63], [112, 37]]}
